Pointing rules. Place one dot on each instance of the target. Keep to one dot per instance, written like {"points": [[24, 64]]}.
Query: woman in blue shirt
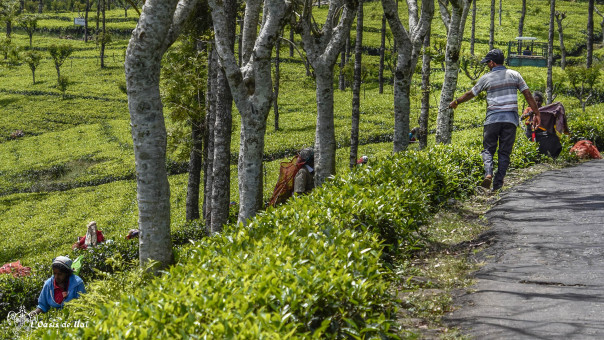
{"points": [[62, 287]]}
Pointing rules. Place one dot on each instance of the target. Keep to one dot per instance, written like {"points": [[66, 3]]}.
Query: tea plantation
{"points": [[319, 266]]}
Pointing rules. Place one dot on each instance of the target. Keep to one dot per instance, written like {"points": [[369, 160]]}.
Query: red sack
{"points": [[285, 184], [585, 149], [16, 269]]}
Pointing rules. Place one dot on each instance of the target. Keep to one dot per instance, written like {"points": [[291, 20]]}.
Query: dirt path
{"points": [[544, 275]]}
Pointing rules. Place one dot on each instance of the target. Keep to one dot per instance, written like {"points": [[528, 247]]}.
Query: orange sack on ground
{"points": [[585, 149]]}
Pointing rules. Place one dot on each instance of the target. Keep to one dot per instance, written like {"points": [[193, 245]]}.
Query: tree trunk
{"points": [[356, 88], [342, 78], [155, 32], [444, 120], [276, 86], [409, 45], [473, 36], [195, 164], [425, 110], [559, 18], [325, 138], [223, 127], [492, 27], [221, 186], [40, 6], [590, 33], [322, 52], [85, 20], [209, 145], [382, 55], [500, 10], [291, 42], [550, 53], [521, 21], [9, 28], [98, 18], [104, 40], [252, 89]]}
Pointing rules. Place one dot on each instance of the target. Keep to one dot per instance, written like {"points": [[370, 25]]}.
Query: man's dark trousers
{"points": [[505, 135]]}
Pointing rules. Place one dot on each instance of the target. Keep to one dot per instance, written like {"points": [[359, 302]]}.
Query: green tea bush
{"points": [[311, 267], [16, 292]]}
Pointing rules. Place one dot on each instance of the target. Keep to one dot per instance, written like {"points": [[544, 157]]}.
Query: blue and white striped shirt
{"points": [[501, 85]]}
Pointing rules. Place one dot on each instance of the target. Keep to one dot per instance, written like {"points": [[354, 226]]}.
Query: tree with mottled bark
{"points": [[601, 22], [500, 10], [560, 16], [208, 166], [86, 21], [277, 81], [104, 37], [492, 26], [455, 21], [157, 29], [590, 33], [222, 120], [409, 43], [521, 21], [252, 89], [342, 77], [382, 55], [322, 47], [356, 88], [422, 135], [473, 35], [549, 90]]}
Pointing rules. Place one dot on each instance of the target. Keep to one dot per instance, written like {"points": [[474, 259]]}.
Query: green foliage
{"points": [[29, 23], [32, 58], [583, 80], [62, 84], [19, 291], [59, 54]]}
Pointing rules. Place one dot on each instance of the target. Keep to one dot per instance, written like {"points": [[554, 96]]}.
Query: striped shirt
{"points": [[501, 85]]}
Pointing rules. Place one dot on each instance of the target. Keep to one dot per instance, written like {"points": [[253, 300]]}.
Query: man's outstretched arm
{"points": [[533, 104], [464, 98]]}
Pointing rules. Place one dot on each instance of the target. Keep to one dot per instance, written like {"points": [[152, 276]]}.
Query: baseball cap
{"points": [[495, 55], [63, 261]]}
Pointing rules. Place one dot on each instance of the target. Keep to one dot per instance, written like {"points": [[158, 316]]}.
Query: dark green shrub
{"points": [[16, 292]]}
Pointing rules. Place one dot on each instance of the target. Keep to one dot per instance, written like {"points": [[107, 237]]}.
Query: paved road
{"points": [[544, 274]]}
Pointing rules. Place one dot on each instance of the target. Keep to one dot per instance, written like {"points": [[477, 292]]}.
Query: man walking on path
{"points": [[501, 120]]}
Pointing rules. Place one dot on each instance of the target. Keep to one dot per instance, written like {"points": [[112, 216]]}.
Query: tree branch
{"points": [[181, 14], [250, 28]]}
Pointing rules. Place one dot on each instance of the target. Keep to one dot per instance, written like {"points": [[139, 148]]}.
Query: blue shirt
{"points": [[502, 85], [46, 300]]}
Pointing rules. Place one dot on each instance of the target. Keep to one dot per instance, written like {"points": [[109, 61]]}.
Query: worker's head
{"points": [[61, 269], [493, 58], [538, 98], [307, 156]]}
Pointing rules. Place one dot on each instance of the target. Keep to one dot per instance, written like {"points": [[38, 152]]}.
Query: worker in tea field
{"points": [[61, 287], [304, 181], [501, 120]]}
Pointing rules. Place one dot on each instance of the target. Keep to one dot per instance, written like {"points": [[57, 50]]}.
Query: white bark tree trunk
{"points": [[322, 48], [549, 91], [457, 21], [409, 44], [157, 29], [252, 90]]}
